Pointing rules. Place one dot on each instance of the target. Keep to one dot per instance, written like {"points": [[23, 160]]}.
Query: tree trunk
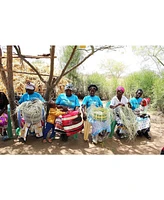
{"points": [[10, 88], [48, 92], [3, 74], [50, 80]]}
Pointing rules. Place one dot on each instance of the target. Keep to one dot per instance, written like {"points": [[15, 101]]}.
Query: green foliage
{"points": [[113, 68], [143, 79], [152, 84], [80, 86], [107, 87], [66, 53], [113, 83], [158, 92], [150, 81], [101, 82]]}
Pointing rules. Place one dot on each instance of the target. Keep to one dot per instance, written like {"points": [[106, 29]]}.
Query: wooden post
{"points": [[10, 89]]}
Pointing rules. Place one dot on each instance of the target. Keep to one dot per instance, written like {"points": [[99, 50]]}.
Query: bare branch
{"points": [[94, 50], [92, 47], [78, 64], [67, 64], [159, 62], [30, 56], [18, 72], [155, 61], [26, 61]]}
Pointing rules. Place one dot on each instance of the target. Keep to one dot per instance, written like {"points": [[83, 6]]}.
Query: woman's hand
{"points": [[119, 104], [129, 105], [84, 112], [62, 108], [84, 116], [50, 101]]}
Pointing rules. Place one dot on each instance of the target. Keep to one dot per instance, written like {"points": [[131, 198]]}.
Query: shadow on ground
{"points": [[112, 146]]}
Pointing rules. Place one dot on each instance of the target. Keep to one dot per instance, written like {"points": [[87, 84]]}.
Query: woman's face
{"points": [[138, 94], [92, 91], [119, 93], [68, 92], [29, 91]]}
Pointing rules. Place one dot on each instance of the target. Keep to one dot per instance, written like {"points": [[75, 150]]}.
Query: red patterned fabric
{"points": [[71, 123], [58, 124]]}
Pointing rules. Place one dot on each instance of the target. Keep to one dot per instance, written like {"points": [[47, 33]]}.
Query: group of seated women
{"points": [[66, 116]]}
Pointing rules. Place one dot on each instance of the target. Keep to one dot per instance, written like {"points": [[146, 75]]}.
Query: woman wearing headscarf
{"points": [[30, 94], [32, 111], [116, 102], [89, 100], [71, 102], [68, 99], [119, 99]]}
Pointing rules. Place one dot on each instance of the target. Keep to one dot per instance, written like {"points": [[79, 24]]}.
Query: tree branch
{"points": [[24, 59], [78, 64], [93, 51], [18, 72], [159, 60], [67, 64]]}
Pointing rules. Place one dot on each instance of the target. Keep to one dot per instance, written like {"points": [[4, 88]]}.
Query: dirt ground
{"points": [[112, 146]]}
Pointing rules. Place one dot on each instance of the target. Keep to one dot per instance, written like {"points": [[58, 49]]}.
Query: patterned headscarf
{"points": [[120, 88], [69, 86]]}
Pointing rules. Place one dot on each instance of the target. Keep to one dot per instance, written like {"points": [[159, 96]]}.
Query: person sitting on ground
{"points": [[53, 113]]}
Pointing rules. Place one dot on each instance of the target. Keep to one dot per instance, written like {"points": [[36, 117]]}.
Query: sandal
{"points": [[49, 140], [147, 136], [44, 141]]}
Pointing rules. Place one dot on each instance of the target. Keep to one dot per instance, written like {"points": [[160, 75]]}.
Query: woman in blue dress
{"points": [[69, 101], [87, 102], [135, 101]]}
